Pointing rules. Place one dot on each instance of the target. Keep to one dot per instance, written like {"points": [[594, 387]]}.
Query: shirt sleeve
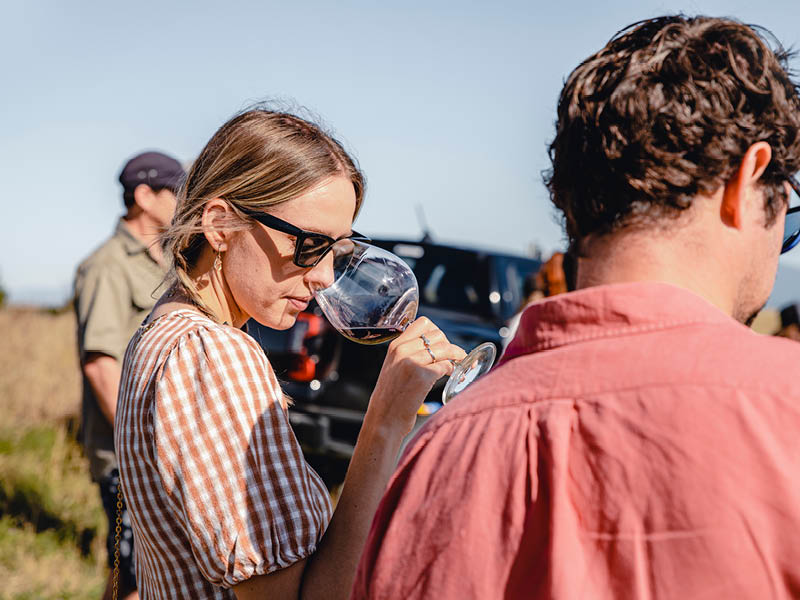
{"points": [[102, 305], [232, 470]]}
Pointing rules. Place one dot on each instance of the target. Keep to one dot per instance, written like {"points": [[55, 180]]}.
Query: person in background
{"points": [[790, 323], [555, 276], [114, 291], [637, 440], [551, 278]]}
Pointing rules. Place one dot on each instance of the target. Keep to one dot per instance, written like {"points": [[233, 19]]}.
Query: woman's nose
{"points": [[321, 275]]}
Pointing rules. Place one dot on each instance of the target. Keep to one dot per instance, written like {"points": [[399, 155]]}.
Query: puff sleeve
{"points": [[231, 468]]}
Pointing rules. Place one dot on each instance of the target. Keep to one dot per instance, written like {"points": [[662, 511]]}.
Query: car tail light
{"points": [[304, 367], [313, 322]]}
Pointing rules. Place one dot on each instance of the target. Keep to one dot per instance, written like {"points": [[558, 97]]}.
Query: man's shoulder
{"points": [[702, 354], [109, 253], [724, 365], [717, 356], [494, 406], [757, 357]]}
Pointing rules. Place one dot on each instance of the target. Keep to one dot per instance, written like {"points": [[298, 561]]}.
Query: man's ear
{"points": [[216, 214], [144, 197], [735, 195]]}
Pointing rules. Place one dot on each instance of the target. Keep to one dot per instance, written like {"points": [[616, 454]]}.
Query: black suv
{"points": [[470, 294]]}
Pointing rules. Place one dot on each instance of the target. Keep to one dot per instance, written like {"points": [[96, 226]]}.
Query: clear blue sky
{"points": [[446, 104]]}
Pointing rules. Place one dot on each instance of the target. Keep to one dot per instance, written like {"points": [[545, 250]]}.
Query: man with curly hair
{"points": [[637, 440]]}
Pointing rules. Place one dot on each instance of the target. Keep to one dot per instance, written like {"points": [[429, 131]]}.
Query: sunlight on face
{"points": [[263, 280]]}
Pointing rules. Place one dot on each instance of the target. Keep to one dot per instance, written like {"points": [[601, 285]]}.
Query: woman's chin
{"points": [[281, 323]]}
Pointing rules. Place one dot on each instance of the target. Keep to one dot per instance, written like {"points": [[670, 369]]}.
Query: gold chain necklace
{"points": [[117, 534]]}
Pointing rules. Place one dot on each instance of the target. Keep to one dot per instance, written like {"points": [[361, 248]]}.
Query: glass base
{"points": [[474, 365]]}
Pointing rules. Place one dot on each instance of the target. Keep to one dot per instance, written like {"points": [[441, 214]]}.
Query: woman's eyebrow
{"points": [[329, 234]]}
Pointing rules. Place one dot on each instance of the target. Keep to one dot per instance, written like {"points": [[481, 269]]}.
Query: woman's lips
{"points": [[299, 303]]}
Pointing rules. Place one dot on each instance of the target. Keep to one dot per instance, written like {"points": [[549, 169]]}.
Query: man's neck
{"points": [[148, 234], [628, 257]]}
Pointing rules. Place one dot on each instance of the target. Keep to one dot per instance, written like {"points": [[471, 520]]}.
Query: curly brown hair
{"points": [[665, 111]]}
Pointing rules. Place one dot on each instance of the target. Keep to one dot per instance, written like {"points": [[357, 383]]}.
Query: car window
{"points": [[448, 278], [511, 273]]}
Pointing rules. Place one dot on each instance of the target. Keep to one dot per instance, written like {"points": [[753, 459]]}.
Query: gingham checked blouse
{"points": [[216, 485]]}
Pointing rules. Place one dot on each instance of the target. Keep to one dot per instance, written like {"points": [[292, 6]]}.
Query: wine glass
{"points": [[375, 296]]}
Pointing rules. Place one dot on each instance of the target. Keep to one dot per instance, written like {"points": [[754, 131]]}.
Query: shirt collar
{"points": [[609, 311], [131, 244]]}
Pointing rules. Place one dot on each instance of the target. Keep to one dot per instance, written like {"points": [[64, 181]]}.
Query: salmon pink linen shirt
{"points": [[633, 442]]}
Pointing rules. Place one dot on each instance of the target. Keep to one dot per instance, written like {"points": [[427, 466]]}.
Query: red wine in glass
{"points": [[374, 297], [371, 335]]}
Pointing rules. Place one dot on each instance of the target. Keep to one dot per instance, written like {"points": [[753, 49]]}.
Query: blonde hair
{"points": [[259, 158]]}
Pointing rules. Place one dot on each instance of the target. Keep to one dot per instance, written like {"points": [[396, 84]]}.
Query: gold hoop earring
{"points": [[218, 262]]}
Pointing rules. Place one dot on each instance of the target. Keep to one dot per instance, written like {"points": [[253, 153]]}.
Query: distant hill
{"points": [[787, 287], [45, 297]]}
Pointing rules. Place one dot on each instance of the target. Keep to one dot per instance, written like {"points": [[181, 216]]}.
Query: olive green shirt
{"points": [[115, 289]]}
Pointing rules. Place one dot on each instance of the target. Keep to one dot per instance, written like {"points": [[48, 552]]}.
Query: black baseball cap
{"points": [[154, 169]]}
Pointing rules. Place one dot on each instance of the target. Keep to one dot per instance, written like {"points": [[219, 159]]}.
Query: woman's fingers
{"points": [[442, 357], [438, 352], [427, 343], [418, 333], [423, 346], [416, 359], [418, 327]]}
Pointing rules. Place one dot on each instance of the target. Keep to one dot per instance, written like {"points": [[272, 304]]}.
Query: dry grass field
{"points": [[52, 527]]}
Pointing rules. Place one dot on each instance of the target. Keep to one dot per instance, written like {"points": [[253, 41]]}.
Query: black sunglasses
{"points": [[791, 226], [310, 247]]}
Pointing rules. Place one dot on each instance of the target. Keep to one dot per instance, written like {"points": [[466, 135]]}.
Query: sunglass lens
{"points": [[313, 247], [791, 230]]}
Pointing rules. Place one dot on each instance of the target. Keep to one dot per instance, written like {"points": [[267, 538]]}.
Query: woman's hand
{"points": [[409, 372], [407, 376]]}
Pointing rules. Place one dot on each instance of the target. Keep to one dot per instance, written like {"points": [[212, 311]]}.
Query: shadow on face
{"points": [[279, 252]]}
